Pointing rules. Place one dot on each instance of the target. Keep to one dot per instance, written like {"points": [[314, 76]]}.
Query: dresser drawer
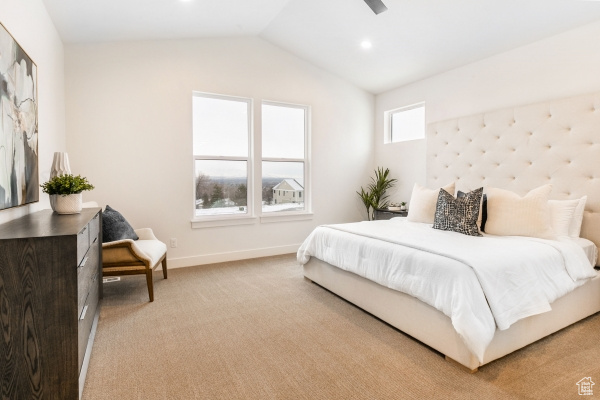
{"points": [[94, 227], [83, 243], [86, 318], [87, 275], [87, 236]]}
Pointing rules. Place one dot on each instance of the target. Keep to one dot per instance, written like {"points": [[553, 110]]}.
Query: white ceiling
{"points": [[414, 39]]}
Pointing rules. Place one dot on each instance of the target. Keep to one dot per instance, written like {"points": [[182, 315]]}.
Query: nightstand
{"points": [[384, 213]]}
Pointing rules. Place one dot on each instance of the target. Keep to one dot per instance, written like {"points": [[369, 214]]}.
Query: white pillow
{"points": [[510, 214], [561, 215], [422, 203], [575, 228]]}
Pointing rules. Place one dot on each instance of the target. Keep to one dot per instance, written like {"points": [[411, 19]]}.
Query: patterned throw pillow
{"points": [[482, 211], [458, 214]]}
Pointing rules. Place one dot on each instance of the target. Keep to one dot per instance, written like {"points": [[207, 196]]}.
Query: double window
{"points": [[231, 178]]}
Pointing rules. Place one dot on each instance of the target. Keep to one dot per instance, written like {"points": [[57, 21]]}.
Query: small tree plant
{"points": [[375, 196]]}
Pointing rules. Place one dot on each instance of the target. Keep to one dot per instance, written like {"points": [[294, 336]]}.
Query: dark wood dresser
{"points": [[50, 286]]}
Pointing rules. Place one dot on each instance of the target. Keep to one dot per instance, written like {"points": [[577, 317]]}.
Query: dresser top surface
{"points": [[47, 223]]}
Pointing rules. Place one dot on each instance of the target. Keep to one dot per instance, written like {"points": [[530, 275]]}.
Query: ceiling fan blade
{"points": [[376, 5]]}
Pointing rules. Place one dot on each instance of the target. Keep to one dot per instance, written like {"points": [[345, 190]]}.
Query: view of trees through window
{"points": [[218, 194], [282, 188]]}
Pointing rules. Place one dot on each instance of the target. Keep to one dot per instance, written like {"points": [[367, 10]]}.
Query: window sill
{"points": [[277, 217], [215, 222]]}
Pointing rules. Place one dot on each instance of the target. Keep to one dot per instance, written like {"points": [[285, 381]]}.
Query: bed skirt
{"points": [[435, 329]]}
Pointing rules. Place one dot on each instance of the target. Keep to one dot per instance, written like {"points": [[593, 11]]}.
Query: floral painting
{"points": [[19, 182]]}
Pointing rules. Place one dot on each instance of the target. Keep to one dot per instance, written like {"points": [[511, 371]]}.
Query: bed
{"points": [[517, 150]]}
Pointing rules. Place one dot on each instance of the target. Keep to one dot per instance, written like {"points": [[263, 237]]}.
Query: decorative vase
{"points": [[402, 208], [67, 204], [60, 165]]}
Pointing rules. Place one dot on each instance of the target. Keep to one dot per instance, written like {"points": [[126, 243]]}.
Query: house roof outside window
{"points": [[288, 184]]}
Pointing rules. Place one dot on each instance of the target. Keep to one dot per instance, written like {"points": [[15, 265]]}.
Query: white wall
{"points": [[28, 22], [129, 130], [559, 66]]}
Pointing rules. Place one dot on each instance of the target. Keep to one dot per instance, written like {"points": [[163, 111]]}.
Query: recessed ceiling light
{"points": [[365, 44]]}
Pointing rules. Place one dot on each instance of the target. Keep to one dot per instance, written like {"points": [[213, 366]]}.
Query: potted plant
{"points": [[375, 197], [403, 206], [65, 192]]}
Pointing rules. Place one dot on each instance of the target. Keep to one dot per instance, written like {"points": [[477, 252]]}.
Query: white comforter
{"points": [[456, 273]]}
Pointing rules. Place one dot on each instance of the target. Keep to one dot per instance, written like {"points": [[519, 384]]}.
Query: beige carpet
{"points": [[257, 330]]}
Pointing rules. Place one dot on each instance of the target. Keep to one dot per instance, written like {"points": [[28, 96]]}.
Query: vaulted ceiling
{"points": [[410, 41]]}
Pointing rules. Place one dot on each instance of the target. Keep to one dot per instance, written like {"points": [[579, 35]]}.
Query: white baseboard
{"points": [[230, 256]]}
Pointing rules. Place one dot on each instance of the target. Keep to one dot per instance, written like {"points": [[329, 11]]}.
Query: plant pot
{"points": [[67, 204]]}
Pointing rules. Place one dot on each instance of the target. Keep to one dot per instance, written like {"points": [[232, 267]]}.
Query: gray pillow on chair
{"points": [[115, 226]]}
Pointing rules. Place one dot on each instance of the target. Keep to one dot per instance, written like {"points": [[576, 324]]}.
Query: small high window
{"points": [[406, 123]]}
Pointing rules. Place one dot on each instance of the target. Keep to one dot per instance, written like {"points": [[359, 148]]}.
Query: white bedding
{"points": [[589, 248], [518, 276]]}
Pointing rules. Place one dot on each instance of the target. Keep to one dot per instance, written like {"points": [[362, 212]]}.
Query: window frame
{"points": [[227, 219], [306, 213], [388, 117]]}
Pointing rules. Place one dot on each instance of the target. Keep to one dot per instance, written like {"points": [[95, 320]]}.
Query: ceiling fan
{"points": [[376, 5]]}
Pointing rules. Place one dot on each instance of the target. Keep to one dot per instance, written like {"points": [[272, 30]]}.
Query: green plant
{"points": [[367, 199], [66, 184], [375, 196]]}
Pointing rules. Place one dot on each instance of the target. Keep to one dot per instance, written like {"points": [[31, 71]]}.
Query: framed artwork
{"points": [[19, 180]]}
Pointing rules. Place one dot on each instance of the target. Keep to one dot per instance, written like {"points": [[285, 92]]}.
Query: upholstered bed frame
{"points": [[521, 148], [518, 149]]}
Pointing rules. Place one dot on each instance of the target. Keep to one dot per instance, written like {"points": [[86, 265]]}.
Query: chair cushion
{"points": [[115, 226], [128, 251], [153, 249]]}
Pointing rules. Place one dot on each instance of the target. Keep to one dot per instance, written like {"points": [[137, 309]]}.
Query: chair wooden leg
{"points": [[164, 267], [149, 282]]}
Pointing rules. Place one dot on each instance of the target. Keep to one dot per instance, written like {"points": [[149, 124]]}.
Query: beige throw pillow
{"points": [[422, 203], [509, 214], [575, 228], [561, 215]]}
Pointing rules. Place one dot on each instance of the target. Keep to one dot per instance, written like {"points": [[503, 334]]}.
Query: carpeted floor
{"points": [[257, 329]]}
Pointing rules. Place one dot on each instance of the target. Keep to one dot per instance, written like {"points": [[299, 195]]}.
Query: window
{"points": [[406, 123], [222, 159], [284, 157], [226, 174]]}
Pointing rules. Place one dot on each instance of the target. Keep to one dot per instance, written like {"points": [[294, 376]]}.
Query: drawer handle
{"points": [[82, 317], [83, 230], [83, 262], [95, 240]]}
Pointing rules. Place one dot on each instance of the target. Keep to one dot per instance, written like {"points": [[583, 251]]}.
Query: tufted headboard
{"points": [[521, 148]]}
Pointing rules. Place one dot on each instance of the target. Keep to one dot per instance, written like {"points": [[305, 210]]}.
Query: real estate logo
{"points": [[584, 387]]}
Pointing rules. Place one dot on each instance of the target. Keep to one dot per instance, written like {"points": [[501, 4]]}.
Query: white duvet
{"points": [[456, 273]]}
